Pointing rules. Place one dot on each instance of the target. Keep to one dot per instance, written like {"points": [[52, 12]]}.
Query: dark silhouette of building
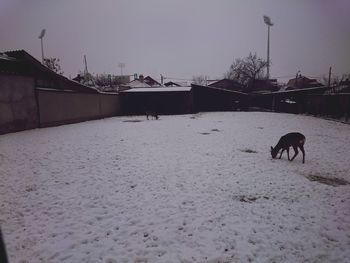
{"points": [[302, 82], [172, 84], [227, 84]]}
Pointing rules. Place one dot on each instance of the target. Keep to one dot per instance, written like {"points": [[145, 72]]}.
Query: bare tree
{"points": [[101, 81], [53, 64], [247, 70], [335, 80]]}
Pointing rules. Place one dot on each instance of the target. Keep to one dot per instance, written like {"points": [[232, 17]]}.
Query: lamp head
{"points": [[267, 21], [42, 33]]}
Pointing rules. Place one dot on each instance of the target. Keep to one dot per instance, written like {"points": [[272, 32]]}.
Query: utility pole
{"points": [[329, 77], [268, 52], [268, 22], [85, 62], [296, 79], [121, 66], [41, 36]]}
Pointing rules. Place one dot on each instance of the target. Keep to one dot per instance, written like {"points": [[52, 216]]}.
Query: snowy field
{"points": [[188, 188]]}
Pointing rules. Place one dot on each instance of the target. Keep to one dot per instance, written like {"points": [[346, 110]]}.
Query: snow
{"points": [[186, 188], [167, 89], [138, 84]]}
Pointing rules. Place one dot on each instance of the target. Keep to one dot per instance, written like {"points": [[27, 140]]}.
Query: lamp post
{"points": [[121, 65], [268, 22], [296, 79], [41, 36]]}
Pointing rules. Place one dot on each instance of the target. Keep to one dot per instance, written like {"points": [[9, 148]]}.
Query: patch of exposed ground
{"points": [[132, 121], [329, 180], [248, 151], [248, 199]]}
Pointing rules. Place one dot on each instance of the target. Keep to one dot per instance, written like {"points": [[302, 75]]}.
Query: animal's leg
{"points": [[303, 151], [288, 153], [281, 153], [296, 152]]}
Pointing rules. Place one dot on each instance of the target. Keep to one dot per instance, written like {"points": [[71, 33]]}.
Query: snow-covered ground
{"points": [[189, 188]]}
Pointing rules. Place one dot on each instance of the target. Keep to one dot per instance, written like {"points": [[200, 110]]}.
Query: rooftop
{"points": [[162, 89]]}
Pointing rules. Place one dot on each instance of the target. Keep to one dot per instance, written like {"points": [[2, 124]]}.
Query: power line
{"points": [[166, 77]]}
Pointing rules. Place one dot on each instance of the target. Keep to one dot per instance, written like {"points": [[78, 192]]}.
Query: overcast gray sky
{"points": [[181, 38]]}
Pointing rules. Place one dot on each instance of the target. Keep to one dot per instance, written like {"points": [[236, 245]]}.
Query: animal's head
{"points": [[273, 152]]}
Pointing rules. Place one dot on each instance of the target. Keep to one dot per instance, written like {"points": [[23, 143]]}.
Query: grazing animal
{"points": [[153, 115], [294, 139]]}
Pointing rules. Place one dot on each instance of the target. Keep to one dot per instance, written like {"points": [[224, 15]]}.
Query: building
{"points": [[207, 98], [142, 82], [227, 84], [152, 82], [164, 100], [172, 84], [302, 82], [263, 86]]}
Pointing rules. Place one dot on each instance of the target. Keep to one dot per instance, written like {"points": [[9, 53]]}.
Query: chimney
{"points": [[141, 78]]}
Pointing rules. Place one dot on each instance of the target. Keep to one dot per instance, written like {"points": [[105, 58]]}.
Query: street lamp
{"points": [[41, 36], [121, 65], [268, 22]]}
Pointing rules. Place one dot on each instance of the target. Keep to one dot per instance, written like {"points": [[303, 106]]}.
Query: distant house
{"points": [[262, 86], [302, 82], [227, 84], [345, 82], [79, 78], [152, 82], [172, 84], [138, 83], [342, 87], [142, 82]]}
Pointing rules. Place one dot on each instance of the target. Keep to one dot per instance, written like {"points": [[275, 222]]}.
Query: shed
{"points": [[208, 98], [164, 100]]}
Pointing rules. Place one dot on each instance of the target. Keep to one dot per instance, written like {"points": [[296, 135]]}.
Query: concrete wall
{"points": [[18, 108], [61, 107]]}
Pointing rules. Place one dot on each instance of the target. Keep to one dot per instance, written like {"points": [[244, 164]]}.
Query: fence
{"points": [[328, 105], [333, 105], [63, 107], [22, 106]]}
